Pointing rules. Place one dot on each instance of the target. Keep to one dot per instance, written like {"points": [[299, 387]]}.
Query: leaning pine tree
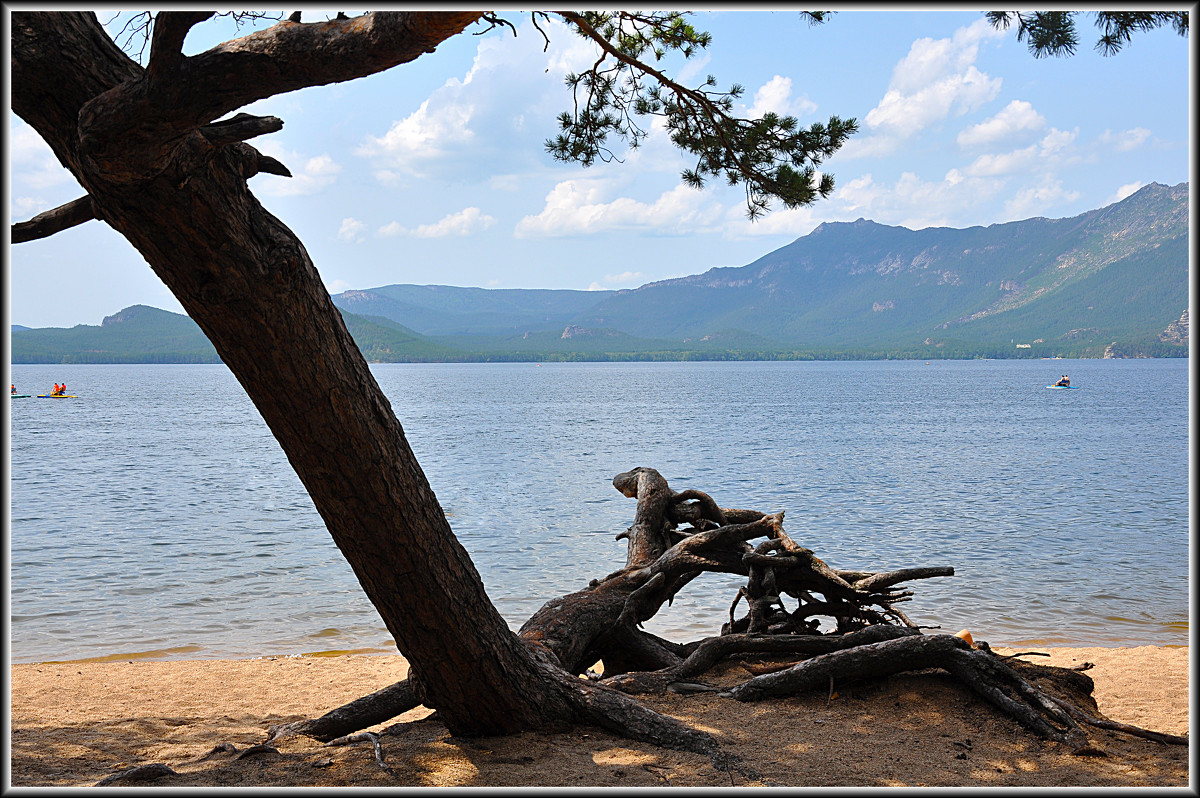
{"points": [[162, 163]]}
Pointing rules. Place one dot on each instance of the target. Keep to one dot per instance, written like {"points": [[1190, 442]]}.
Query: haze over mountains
{"points": [[1109, 282]]}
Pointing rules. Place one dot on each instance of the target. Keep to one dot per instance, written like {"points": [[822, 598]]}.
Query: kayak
{"points": [[1067, 387], [19, 395], [56, 396]]}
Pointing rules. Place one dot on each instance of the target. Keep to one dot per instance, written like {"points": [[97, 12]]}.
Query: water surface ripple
{"points": [[156, 516]]}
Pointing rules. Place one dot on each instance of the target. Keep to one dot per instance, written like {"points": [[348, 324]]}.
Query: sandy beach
{"points": [[75, 723]]}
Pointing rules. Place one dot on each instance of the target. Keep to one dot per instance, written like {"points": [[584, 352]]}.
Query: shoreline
{"points": [[74, 722], [191, 652]]}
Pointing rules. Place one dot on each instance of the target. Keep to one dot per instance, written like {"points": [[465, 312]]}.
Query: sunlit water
{"points": [[156, 516]]}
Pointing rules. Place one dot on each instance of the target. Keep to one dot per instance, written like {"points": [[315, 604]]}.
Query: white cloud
{"points": [[1035, 200], [776, 96], [780, 222], [937, 78], [466, 222], [1003, 163], [33, 165], [907, 114], [694, 69], [351, 229], [931, 60], [575, 207], [24, 208], [320, 166], [622, 280], [427, 133], [1016, 117], [1126, 140], [868, 146], [1124, 191], [486, 115], [912, 202], [313, 176], [1048, 153], [1056, 141]]}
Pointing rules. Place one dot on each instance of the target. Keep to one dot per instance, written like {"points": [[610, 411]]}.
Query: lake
{"points": [[155, 516]]}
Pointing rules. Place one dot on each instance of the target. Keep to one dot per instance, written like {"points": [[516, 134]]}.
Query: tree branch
{"points": [[251, 162], [47, 223], [166, 43], [147, 115], [240, 128], [378, 707]]}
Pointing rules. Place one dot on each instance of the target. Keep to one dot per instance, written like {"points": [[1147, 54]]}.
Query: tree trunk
{"points": [[248, 283], [159, 168]]}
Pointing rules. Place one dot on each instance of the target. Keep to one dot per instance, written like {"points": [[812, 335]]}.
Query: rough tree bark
{"points": [[133, 139], [157, 167], [871, 639], [160, 166]]}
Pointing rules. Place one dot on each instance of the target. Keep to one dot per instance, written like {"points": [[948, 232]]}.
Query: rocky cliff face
{"points": [[1177, 331]]}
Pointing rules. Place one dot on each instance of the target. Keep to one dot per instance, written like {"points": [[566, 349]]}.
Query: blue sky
{"points": [[435, 173]]}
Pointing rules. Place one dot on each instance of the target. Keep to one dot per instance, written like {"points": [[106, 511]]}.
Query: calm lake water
{"points": [[156, 516]]}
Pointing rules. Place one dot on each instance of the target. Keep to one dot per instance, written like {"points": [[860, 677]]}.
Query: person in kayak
{"points": [[1064, 381]]}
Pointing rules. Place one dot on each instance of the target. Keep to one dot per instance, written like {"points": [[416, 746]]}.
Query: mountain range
{"points": [[1109, 282]]}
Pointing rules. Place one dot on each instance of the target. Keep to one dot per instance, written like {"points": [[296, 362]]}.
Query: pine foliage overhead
{"points": [[1054, 32], [772, 156]]}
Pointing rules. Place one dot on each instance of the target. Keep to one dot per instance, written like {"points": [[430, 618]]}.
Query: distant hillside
{"points": [[448, 310], [1119, 273], [142, 334], [137, 334], [1110, 280], [383, 340]]}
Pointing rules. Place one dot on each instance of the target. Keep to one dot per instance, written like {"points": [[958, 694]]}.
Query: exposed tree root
{"points": [[136, 775], [870, 639], [365, 737], [1124, 728], [378, 707]]}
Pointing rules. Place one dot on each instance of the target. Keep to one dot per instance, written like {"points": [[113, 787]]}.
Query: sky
{"points": [[435, 172]]}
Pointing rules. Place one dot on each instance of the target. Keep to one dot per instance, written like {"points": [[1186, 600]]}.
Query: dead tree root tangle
{"points": [[675, 537]]}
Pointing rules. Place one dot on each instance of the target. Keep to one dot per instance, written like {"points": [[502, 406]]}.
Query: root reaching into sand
{"points": [[136, 775], [790, 596], [370, 737]]}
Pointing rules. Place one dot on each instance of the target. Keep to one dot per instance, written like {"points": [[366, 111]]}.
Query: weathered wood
{"points": [[909, 652], [137, 774], [369, 710], [166, 42], [712, 650], [240, 128], [242, 276], [160, 171], [884, 580], [47, 223], [1004, 688]]}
